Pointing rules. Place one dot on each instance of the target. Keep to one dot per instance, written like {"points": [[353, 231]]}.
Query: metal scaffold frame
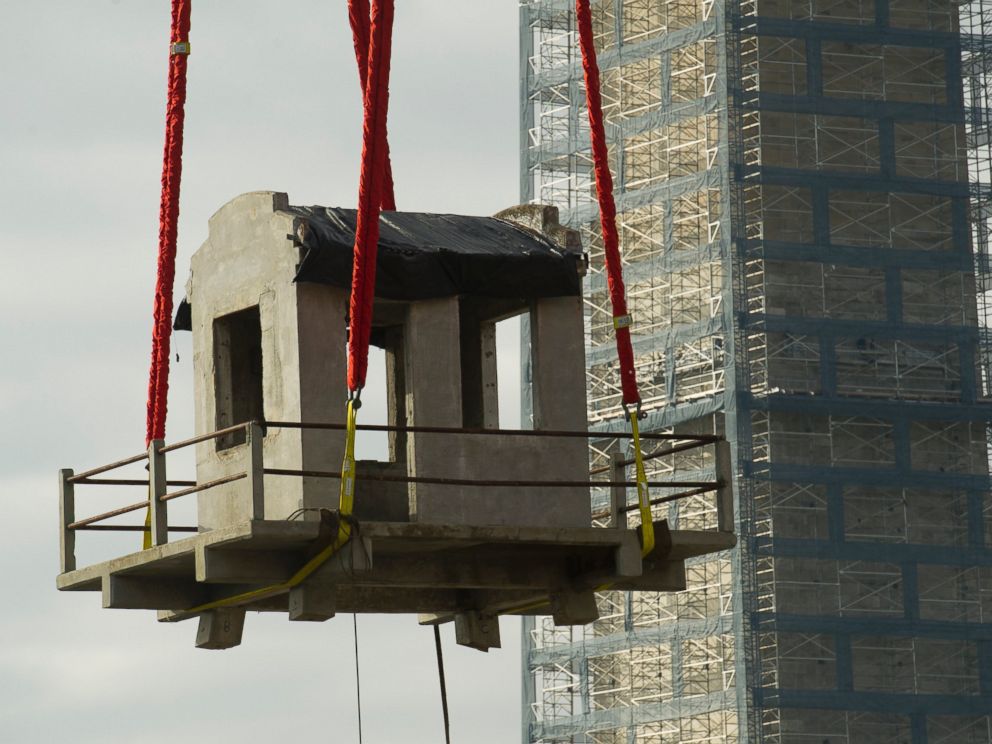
{"points": [[803, 192], [870, 504], [664, 102]]}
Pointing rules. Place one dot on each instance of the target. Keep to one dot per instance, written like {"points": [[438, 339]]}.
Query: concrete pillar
{"points": [[433, 398], [322, 334], [558, 363], [249, 261]]}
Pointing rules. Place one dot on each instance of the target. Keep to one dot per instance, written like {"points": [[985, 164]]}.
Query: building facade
{"points": [[802, 195]]}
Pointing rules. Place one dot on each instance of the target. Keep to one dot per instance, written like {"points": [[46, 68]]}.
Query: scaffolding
{"points": [[803, 196]]}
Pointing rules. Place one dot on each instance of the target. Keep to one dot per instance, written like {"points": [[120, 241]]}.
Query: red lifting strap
{"points": [[359, 15], [172, 166], [370, 191], [607, 208]]}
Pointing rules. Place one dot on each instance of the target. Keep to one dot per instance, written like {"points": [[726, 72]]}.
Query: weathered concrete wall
{"points": [[247, 260], [250, 259], [558, 373]]}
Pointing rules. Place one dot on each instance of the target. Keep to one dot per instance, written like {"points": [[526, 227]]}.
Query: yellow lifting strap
{"points": [[643, 502], [643, 497], [346, 502], [146, 541]]}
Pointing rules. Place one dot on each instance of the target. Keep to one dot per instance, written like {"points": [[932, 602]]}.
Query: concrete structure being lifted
{"points": [[269, 348], [463, 521]]}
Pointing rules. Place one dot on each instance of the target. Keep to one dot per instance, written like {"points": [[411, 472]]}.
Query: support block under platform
{"points": [[477, 630], [574, 608], [445, 571], [312, 602], [220, 629]]}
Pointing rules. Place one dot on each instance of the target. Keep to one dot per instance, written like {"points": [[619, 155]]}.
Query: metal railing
{"points": [[159, 496]]}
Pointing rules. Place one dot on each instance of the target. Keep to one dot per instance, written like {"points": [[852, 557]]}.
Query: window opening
{"points": [[238, 373], [489, 342]]}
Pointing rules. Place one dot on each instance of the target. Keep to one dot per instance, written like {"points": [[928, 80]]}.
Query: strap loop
{"points": [[643, 495], [346, 526], [146, 540], [346, 499]]}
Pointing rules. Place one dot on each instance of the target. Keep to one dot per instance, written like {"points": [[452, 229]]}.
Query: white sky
{"points": [[273, 104]]}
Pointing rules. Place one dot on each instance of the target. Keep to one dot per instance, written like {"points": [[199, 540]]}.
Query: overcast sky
{"points": [[273, 104]]}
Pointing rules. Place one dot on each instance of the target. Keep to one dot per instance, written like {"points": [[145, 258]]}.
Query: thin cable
{"points": [[358, 681], [444, 689]]}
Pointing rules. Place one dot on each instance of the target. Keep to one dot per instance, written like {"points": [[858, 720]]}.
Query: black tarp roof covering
{"points": [[423, 256]]}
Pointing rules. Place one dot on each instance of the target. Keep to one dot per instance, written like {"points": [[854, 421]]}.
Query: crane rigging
{"points": [[372, 27], [467, 521]]}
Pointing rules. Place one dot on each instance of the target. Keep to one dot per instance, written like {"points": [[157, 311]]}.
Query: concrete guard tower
{"points": [[269, 319], [462, 521]]}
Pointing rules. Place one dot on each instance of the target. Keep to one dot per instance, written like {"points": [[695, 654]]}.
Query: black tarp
{"points": [[423, 256]]}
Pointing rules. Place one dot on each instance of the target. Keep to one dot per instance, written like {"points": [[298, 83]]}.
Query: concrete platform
{"points": [[441, 572]]}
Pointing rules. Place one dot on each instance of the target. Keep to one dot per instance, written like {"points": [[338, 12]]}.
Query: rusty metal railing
{"points": [[159, 496]]}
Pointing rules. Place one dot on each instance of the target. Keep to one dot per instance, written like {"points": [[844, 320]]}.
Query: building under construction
{"points": [[803, 196]]}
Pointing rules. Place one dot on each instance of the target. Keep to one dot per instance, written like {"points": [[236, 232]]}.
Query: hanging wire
{"points": [[444, 689], [358, 681]]}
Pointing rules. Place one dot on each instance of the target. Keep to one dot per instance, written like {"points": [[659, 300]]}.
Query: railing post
{"points": [[255, 477], [157, 483], [67, 515], [725, 493], [618, 494]]}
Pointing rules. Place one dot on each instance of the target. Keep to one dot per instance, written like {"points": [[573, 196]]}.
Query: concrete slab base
{"points": [[442, 572]]}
